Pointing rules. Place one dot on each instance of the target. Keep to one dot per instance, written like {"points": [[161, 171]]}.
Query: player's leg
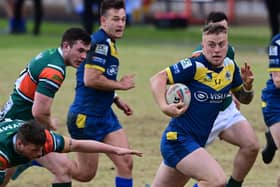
{"points": [[201, 166], [86, 166], [124, 164], [225, 119], [275, 132], [270, 148], [242, 134], [60, 166], [167, 176]]}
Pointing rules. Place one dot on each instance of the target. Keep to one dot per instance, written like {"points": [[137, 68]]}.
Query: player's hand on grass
{"points": [[123, 151]]}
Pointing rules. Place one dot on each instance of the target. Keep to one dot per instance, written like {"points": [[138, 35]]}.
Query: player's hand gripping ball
{"points": [[178, 92]]}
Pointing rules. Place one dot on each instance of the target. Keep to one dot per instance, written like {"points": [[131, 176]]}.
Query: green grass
{"points": [[143, 51]]}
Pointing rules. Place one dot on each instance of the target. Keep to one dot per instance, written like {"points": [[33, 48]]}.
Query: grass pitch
{"points": [[143, 51]]}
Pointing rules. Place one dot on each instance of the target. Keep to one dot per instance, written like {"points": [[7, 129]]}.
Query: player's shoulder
{"points": [[276, 40], [99, 37]]}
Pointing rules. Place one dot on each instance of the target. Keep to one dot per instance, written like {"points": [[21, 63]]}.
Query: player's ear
{"points": [[103, 20]]}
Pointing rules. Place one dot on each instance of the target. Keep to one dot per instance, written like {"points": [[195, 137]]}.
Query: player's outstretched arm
{"points": [[91, 146]]}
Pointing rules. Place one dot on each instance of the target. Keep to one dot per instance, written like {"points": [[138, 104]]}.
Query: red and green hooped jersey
{"points": [[44, 74], [8, 155]]}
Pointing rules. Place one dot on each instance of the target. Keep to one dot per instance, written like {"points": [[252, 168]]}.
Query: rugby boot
{"points": [[269, 150]]}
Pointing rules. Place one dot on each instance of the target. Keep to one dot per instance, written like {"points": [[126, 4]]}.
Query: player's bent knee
{"points": [[218, 181], [253, 148], [85, 176], [125, 165], [62, 168]]}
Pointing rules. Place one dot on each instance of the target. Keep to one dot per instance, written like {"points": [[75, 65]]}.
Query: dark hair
{"points": [[214, 29], [32, 132], [214, 17], [74, 34], [108, 4]]}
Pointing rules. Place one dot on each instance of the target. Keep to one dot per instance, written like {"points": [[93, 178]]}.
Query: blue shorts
{"points": [[176, 145], [81, 126], [270, 115]]}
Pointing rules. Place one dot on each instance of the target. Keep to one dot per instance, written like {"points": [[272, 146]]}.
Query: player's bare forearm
{"points": [[91, 146]]}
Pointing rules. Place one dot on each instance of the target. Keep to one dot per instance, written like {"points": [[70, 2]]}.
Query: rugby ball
{"points": [[178, 92]]}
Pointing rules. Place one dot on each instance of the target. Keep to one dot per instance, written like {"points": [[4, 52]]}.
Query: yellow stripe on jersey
{"points": [[217, 81], [113, 49], [169, 75], [95, 67], [273, 69]]}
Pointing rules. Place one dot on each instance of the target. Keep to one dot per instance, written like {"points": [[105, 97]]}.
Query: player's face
{"points": [[113, 22], [30, 151], [74, 55], [214, 48]]}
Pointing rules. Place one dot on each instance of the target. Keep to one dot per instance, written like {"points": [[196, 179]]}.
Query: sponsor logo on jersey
{"points": [[98, 59], [201, 96], [186, 63], [211, 97], [101, 49], [176, 69], [274, 61], [273, 50], [112, 70], [10, 127]]}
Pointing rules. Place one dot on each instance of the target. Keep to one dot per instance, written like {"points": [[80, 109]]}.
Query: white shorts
{"points": [[225, 119]]}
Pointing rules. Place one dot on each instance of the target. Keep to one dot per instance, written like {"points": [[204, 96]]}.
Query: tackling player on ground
{"points": [[21, 142]]}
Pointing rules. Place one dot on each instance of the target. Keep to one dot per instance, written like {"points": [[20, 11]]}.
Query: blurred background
{"points": [[161, 13]]}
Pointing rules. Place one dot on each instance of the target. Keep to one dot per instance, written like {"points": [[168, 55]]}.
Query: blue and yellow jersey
{"points": [[103, 56], [230, 54], [9, 157], [270, 94], [209, 87]]}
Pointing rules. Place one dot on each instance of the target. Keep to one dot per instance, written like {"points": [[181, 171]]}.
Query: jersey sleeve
{"points": [[181, 72], [2, 176], [274, 55], [97, 56], [4, 163], [54, 142], [237, 80], [50, 80]]}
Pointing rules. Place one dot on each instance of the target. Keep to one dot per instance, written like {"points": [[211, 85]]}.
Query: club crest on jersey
{"points": [[228, 75], [208, 77], [101, 49], [112, 70]]}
